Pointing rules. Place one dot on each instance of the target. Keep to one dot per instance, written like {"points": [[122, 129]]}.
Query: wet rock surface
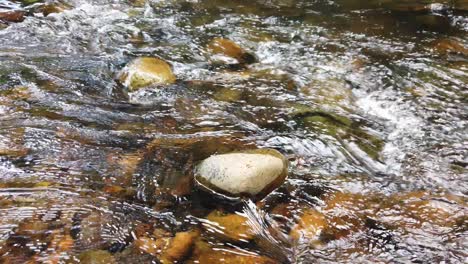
{"points": [[12, 15], [146, 71], [226, 47], [309, 226], [205, 253], [168, 249], [233, 227], [251, 173], [53, 8], [107, 109], [96, 257]]}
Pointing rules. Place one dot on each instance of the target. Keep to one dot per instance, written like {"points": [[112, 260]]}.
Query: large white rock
{"points": [[252, 173]]}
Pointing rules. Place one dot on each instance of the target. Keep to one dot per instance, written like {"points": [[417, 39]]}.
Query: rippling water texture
{"points": [[367, 99]]}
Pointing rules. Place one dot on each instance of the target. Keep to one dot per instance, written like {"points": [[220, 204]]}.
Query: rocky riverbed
{"points": [[280, 131]]}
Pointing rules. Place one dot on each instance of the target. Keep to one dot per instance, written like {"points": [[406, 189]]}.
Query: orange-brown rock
{"points": [[447, 46], [32, 228], [179, 247], [419, 207], [12, 16], [168, 249], [207, 254], [230, 226], [112, 189], [309, 226], [124, 166], [228, 48], [151, 246], [61, 242], [346, 212]]}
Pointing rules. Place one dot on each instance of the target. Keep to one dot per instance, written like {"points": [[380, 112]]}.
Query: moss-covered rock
{"points": [[300, 111], [330, 93], [228, 95], [338, 126], [29, 2]]}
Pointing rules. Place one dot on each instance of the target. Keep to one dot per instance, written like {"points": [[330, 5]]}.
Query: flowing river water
{"points": [[368, 100]]}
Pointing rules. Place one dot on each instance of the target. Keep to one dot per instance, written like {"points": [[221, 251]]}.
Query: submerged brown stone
{"points": [[230, 226], [228, 48], [12, 16], [450, 46], [52, 8], [179, 247], [310, 225], [345, 213], [168, 249], [205, 253], [146, 71], [97, 257]]}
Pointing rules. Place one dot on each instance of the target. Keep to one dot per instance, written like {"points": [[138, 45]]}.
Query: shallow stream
{"points": [[368, 100]]}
